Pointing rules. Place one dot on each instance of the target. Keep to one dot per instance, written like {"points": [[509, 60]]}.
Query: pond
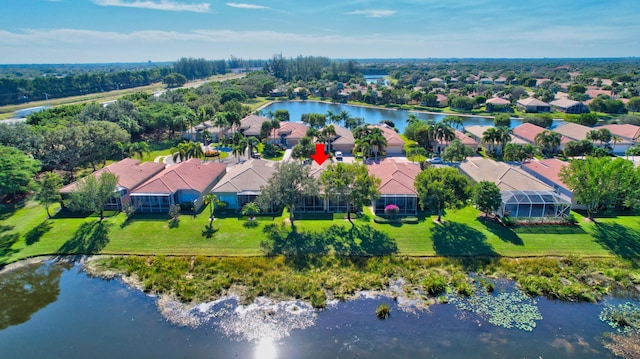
{"points": [[57, 311]]}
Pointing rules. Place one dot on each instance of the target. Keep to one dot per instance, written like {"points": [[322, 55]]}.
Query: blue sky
{"points": [[79, 31]]}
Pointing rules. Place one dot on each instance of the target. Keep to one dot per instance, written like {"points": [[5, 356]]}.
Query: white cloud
{"points": [[372, 13], [166, 5], [246, 6]]}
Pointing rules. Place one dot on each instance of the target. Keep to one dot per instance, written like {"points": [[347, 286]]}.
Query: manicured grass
{"points": [[27, 232]]}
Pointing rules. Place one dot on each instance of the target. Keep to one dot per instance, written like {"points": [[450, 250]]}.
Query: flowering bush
{"points": [[391, 210]]}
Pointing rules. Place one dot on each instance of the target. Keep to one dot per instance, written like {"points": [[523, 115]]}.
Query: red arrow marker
{"points": [[319, 156]]}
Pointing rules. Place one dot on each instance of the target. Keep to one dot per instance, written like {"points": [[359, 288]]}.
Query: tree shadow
{"points": [[90, 238], [506, 234], [6, 242], [620, 240], [459, 240], [374, 242], [174, 223], [34, 235], [209, 231], [4, 228]]}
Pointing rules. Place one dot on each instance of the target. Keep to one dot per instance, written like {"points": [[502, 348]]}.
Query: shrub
{"points": [[434, 284], [186, 207], [391, 210], [221, 206], [410, 220], [383, 311]]}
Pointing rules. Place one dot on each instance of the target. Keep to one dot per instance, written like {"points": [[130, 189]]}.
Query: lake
{"points": [[371, 115], [57, 311]]}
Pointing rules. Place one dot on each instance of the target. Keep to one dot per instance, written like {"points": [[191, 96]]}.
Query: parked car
{"points": [[338, 155], [436, 161]]}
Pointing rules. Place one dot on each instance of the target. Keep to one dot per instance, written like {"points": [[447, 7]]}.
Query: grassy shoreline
{"points": [[318, 279]]}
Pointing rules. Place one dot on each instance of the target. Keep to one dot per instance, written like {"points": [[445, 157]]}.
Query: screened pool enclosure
{"points": [[534, 204]]}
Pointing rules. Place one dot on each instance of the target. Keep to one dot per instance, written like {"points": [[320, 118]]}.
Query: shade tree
{"points": [[441, 187]]}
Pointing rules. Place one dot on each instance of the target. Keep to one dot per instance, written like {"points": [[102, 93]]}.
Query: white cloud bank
{"points": [[246, 6], [165, 5], [372, 13]]}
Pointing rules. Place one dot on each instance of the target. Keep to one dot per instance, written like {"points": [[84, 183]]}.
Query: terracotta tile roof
{"points": [[627, 131], [247, 177], [393, 138], [466, 140], [129, 171], [395, 178], [477, 130], [192, 174], [548, 168], [508, 178], [293, 130], [594, 91], [527, 131]]}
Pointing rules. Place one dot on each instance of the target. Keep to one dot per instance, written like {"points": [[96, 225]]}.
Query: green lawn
{"points": [[27, 232]]}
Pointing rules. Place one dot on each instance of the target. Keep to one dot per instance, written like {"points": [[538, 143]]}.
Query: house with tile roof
{"points": [[569, 106], [131, 174], [396, 185], [343, 140], [290, 133], [440, 146], [527, 133], [184, 184], [242, 183], [498, 104], [523, 195], [625, 131], [533, 105], [395, 143], [251, 125]]}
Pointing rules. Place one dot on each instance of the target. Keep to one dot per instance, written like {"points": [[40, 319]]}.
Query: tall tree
{"points": [[600, 182], [48, 190], [92, 194], [441, 187], [487, 197], [456, 151], [352, 183], [16, 171], [290, 183]]}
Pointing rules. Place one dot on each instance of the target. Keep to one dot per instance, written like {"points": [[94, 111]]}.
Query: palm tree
{"points": [[328, 133], [377, 141], [615, 139], [250, 143], [220, 121], [443, 133], [137, 149], [179, 153], [453, 121], [211, 199], [194, 150], [503, 137], [549, 141], [490, 138], [363, 145], [344, 116], [413, 118], [275, 125], [237, 151]]}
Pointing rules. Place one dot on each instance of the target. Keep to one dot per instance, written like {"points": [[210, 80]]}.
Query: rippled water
{"points": [[49, 311]]}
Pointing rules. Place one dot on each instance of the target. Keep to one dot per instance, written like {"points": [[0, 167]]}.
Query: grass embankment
{"points": [[321, 278], [26, 232]]}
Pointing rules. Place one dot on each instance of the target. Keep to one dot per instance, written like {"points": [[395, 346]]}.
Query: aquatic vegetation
{"points": [[624, 318], [383, 311], [508, 310]]}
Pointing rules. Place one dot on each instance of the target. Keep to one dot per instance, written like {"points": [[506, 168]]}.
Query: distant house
{"points": [[476, 132], [440, 146], [522, 194], [396, 186], [184, 184], [395, 143], [251, 125], [573, 131], [486, 81], [497, 104], [130, 173], [533, 105], [437, 81], [242, 184], [626, 131], [548, 171], [569, 106], [290, 133], [500, 81]]}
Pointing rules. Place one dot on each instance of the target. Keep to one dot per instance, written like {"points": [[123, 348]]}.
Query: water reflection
{"points": [[24, 291], [266, 349]]}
